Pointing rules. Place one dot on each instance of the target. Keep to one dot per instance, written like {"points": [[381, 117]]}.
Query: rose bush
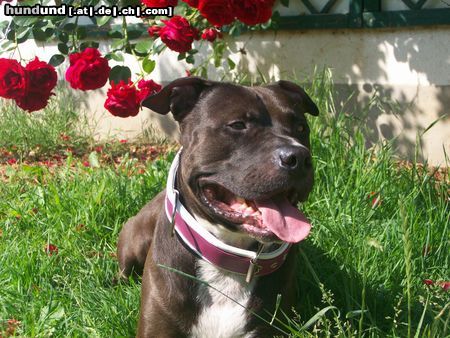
{"points": [[88, 69], [30, 86]]}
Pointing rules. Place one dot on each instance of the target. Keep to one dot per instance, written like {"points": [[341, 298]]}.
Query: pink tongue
{"points": [[284, 220]]}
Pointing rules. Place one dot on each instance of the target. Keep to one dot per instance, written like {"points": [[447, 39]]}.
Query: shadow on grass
{"points": [[326, 282]]}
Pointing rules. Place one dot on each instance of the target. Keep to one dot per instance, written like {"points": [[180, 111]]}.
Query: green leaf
{"points": [[181, 56], [81, 32], [39, 34], [25, 21], [62, 36], [7, 46], [317, 316], [63, 48], [117, 44], [355, 313], [86, 44], [49, 32], [235, 30], [119, 73], [158, 46], [103, 20], [56, 60], [98, 196], [266, 25], [148, 65], [190, 59], [285, 3], [115, 34], [143, 47], [22, 34], [115, 56], [231, 63], [134, 34], [11, 35], [69, 27]]}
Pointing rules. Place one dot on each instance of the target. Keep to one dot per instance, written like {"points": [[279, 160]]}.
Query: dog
{"points": [[217, 247]]}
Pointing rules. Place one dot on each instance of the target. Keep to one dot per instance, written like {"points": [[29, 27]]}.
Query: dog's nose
{"points": [[294, 158]]}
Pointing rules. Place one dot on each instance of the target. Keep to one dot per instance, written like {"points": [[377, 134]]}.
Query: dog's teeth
{"points": [[243, 207], [249, 211]]}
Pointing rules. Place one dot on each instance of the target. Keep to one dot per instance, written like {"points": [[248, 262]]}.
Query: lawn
{"points": [[375, 264]]}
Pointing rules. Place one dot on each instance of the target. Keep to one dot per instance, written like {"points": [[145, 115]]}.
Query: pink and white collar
{"points": [[208, 247]]}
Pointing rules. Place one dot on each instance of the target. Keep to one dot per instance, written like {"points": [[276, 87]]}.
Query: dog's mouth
{"points": [[276, 216]]}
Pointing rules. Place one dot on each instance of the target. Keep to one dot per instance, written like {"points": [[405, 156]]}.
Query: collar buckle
{"points": [[253, 267]]}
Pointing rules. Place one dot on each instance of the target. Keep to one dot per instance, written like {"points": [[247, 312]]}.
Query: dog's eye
{"points": [[237, 125], [301, 128]]}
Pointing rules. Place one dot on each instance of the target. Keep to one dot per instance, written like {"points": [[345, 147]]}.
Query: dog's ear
{"points": [[299, 96], [179, 97]]}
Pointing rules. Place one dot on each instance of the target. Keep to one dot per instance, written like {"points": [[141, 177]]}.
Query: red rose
{"points": [[42, 77], [33, 100], [13, 79], [154, 30], [192, 3], [178, 34], [252, 12], [88, 70], [211, 34], [122, 99], [217, 12], [159, 3], [147, 88]]}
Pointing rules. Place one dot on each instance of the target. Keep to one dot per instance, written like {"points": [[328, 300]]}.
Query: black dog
{"points": [[231, 203]]}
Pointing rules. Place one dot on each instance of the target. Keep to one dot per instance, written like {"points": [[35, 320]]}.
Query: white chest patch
{"points": [[221, 317]]}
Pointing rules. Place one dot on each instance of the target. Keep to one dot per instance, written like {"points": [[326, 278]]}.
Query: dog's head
{"points": [[246, 161]]}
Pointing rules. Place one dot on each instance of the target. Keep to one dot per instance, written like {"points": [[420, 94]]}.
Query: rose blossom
{"points": [[154, 30], [160, 3], [41, 79], [147, 88], [211, 34], [33, 101], [12, 79], [252, 12], [178, 34], [122, 99], [217, 12], [192, 3], [88, 70]]}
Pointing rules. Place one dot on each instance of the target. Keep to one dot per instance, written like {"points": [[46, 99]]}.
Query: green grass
{"points": [[361, 270], [57, 127]]}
